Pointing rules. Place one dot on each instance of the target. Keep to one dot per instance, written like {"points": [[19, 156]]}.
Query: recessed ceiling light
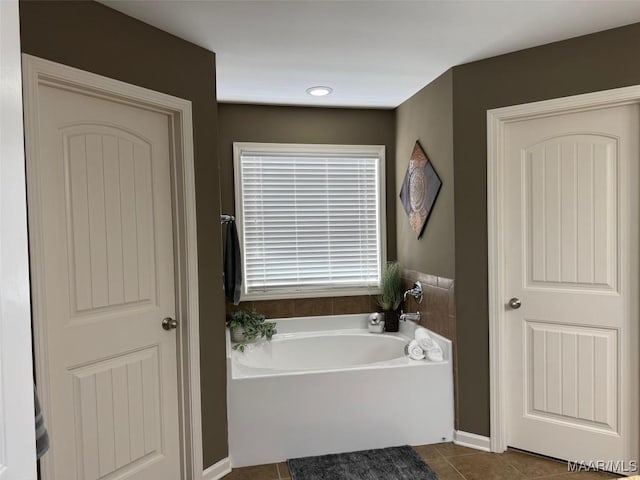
{"points": [[319, 91]]}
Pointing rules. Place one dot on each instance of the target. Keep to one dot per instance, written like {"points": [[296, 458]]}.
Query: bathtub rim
{"points": [[315, 326]]}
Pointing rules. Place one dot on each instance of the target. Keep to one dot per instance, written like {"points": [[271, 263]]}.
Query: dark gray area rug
{"points": [[395, 463]]}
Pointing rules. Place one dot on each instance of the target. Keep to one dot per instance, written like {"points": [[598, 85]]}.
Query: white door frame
{"points": [[496, 121], [17, 427], [38, 71]]}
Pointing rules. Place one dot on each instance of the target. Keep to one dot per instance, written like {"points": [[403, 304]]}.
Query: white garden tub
{"points": [[327, 385]]}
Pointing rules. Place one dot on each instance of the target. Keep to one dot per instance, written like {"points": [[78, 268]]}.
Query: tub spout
{"points": [[410, 316]]}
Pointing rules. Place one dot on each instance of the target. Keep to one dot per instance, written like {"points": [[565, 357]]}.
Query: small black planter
{"points": [[391, 321]]}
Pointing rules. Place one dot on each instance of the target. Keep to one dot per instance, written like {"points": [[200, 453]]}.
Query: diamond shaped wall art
{"points": [[420, 189]]}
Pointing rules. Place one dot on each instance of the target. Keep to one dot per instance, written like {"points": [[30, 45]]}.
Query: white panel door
{"points": [[17, 427], [108, 275], [572, 261]]}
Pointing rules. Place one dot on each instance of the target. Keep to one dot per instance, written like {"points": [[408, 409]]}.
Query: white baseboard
{"points": [[217, 470], [471, 440]]}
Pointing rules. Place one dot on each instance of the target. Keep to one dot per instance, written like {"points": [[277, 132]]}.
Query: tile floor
{"points": [[452, 462]]}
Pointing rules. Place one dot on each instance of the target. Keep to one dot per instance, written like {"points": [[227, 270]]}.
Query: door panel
{"points": [[107, 262], [118, 417], [109, 204], [571, 255], [572, 375], [571, 205]]}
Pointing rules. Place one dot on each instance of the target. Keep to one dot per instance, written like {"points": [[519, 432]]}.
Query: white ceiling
{"points": [[372, 53]]}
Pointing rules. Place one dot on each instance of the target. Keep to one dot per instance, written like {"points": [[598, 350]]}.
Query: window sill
{"points": [[291, 294]]}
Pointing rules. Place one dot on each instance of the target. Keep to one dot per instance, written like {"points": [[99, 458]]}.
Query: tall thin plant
{"points": [[391, 296]]}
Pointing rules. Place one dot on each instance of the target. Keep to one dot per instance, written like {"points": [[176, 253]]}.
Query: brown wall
{"points": [[92, 37], [428, 117], [594, 62]]}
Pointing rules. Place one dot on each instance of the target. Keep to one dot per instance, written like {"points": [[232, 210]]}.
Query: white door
{"points": [[571, 256], [17, 427], [107, 274]]}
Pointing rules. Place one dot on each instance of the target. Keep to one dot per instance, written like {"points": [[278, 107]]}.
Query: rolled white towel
{"points": [[432, 349], [435, 354], [423, 338], [415, 351]]}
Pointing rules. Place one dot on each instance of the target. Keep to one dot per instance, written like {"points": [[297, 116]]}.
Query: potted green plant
{"points": [[391, 296], [247, 326]]}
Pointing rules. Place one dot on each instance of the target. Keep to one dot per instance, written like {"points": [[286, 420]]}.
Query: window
{"points": [[310, 219]]}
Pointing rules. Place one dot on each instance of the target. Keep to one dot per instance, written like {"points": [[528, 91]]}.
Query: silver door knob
{"points": [[515, 303], [169, 323]]}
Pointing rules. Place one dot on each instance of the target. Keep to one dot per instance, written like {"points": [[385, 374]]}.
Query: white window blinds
{"points": [[309, 218]]}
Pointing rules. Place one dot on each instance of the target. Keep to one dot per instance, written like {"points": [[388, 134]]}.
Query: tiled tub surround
{"points": [[438, 309], [318, 388], [302, 307]]}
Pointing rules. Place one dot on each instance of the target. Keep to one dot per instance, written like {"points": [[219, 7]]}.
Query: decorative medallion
{"points": [[420, 189]]}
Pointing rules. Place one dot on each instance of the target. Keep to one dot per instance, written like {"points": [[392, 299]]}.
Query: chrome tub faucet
{"points": [[416, 292]]}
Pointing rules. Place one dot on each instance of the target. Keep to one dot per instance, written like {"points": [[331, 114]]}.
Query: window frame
{"points": [[240, 148]]}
